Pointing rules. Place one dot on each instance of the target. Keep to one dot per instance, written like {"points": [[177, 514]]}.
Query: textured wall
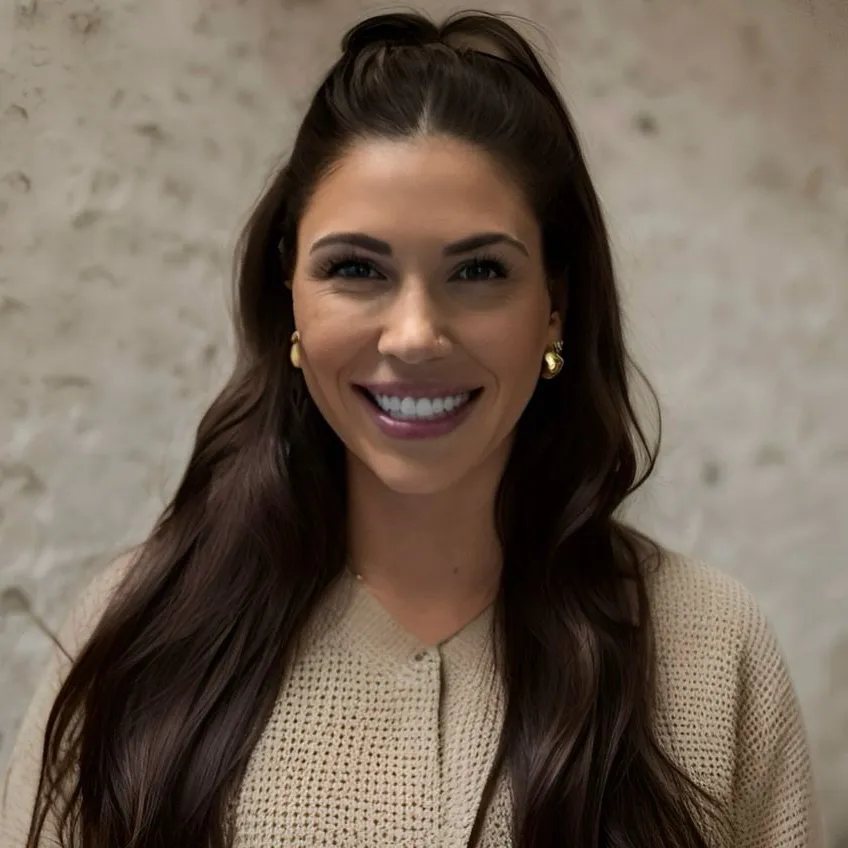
{"points": [[135, 134]]}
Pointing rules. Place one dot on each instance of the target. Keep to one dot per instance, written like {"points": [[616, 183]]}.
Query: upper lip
{"points": [[403, 389]]}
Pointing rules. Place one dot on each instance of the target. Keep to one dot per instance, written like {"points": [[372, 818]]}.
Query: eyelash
{"points": [[331, 267]]}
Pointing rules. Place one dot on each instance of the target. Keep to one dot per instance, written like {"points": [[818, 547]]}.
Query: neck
{"points": [[431, 551]]}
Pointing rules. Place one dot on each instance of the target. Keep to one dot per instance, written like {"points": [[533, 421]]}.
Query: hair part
{"points": [[153, 728]]}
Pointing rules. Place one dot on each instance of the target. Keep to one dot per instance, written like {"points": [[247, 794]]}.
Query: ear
{"points": [[288, 283], [555, 328], [558, 292]]}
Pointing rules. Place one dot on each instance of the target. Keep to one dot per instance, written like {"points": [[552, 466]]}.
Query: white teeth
{"points": [[423, 408], [407, 407], [413, 409]]}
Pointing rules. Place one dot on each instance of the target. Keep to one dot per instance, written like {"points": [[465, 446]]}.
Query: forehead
{"points": [[427, 188]]}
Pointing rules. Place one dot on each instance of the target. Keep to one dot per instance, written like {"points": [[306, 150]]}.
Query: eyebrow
{"points": [[374, 245]]}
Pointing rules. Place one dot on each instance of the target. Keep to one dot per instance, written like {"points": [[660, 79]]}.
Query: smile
{"points": [[420, 409], [417, 413]]}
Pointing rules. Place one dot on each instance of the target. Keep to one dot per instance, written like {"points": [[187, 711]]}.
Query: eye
{"points": [[349, 268], [483, 270], [353, 269]]}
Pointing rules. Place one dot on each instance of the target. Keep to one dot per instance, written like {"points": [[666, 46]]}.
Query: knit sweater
{"points": [[379, 740]]}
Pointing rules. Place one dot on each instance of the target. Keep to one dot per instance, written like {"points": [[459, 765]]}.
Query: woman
{"points": [[390, 602]]}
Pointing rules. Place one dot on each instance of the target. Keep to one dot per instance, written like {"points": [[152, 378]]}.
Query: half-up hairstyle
{"points": [[154, 725]]}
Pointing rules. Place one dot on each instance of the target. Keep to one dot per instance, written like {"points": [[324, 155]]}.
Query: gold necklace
{"points": [[354, 574]]}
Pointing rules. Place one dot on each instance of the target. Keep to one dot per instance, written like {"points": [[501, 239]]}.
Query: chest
{"points": [[358, 753]]}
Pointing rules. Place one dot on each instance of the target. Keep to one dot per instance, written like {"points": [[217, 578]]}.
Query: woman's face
{"points": [[423, 311]]}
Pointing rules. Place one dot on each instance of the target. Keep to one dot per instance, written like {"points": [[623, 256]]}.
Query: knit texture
{"points": [[378, 740]]}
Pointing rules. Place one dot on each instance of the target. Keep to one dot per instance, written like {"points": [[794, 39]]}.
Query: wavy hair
{"points": [[154, 725]]}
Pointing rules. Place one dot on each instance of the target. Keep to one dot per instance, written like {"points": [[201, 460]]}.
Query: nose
{"points": [[412, 331]]}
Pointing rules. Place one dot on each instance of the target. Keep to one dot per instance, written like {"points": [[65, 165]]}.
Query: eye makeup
{"points": [[495, 265], [338, 267], [333, 266]]}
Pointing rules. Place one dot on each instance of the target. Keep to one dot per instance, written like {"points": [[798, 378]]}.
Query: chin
{"points": [[405, 477], [420, 483]]}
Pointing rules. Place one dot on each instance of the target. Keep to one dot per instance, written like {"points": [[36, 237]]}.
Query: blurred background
{"points": [[136, 134]]}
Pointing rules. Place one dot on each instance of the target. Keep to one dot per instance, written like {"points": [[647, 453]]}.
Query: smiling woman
{"points": [[422, 333], [391, 602]]}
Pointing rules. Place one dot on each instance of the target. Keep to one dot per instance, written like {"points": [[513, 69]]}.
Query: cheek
{"points": [[512, 344], [517, 369], [328, 349], [327, 346], [329, 336]]}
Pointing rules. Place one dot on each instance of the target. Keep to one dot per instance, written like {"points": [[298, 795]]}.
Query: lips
{"points": [[418, 411]]}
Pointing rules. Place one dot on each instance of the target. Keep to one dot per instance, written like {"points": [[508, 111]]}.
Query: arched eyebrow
{"points": [[356, 240], [479, 240], [383, 248]]}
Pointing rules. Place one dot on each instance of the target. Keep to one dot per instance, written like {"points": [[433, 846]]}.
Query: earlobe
{"points": [[555, 325]]}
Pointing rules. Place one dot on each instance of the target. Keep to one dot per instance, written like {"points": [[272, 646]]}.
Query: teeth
{"points": [[412, 409]]}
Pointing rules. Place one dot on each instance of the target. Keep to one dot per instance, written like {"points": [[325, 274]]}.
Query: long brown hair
{"points": [[151, 732]]}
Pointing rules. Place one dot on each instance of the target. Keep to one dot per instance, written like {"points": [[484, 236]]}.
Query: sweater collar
{"points": [[363, 625]]}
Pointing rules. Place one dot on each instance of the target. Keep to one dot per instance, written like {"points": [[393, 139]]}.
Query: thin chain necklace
{"points": [[354, 573]]}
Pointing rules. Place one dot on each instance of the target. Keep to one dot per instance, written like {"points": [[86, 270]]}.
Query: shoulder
{"points": [[19, 786], [710, 633], [92, 602], [697, 608], [726, 708], [712, 641]]}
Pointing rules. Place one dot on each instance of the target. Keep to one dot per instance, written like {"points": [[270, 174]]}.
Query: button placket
{"points": [[424, 667]]}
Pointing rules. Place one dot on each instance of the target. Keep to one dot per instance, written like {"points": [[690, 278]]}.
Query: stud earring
{"points": [[294, 351], [553, 361]]}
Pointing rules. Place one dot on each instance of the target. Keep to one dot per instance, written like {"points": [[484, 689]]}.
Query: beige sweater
{"points": [[377, 740]]}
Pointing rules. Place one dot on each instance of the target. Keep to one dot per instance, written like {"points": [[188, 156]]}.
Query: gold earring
{"points": [[294, 351], [553, 361]]}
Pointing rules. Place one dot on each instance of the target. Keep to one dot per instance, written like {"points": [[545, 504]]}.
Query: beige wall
{"points": [[134, 135]]}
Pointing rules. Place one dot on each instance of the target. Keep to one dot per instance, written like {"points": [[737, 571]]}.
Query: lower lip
{"points": [[417, 428]]}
